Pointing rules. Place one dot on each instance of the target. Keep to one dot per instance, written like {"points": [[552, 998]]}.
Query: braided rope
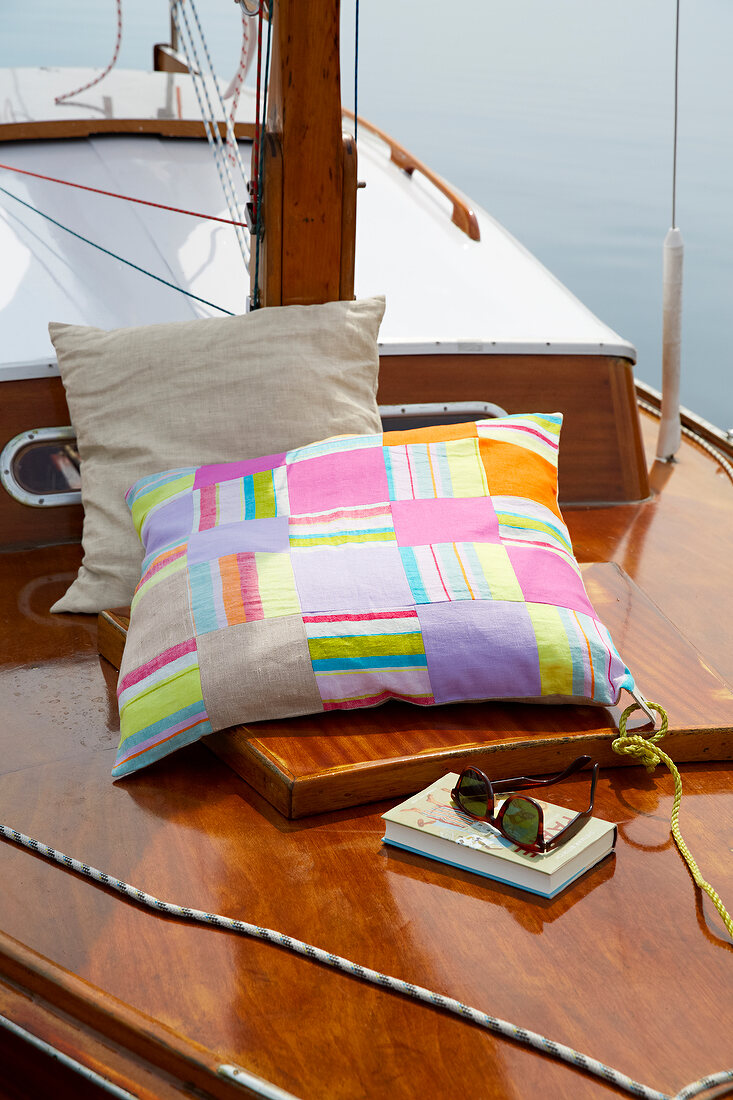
{"points": [[235, 88], [208, 118], [385, 981], [258, 128], [231, 140], [210, 125], [260, 165], [356, 74], [647, 752], [113, 62]]}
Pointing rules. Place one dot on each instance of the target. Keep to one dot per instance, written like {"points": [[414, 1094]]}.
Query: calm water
{"points": [[556, 117]]}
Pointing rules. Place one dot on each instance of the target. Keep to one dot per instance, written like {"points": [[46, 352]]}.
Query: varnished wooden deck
{"points": [[628, 965]]}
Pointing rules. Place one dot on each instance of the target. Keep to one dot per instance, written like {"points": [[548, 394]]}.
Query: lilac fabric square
{"points": [[338, 480], [230, 471], [480, 650], [269, 535], [353, 578], [546, 577], [172, 522], [460, 519]]}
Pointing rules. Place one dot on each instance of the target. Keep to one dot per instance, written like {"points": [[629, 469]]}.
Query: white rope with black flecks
{"points": [[396, 985]]}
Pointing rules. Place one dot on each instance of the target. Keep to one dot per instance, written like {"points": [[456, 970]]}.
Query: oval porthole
{"points": [[40, 468]]}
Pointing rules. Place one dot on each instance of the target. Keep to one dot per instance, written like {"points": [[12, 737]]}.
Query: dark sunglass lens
{"points": [[472, 794], [521, 821]]}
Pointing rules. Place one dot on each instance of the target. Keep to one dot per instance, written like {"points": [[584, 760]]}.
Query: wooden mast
{"points": [[309, 192]]}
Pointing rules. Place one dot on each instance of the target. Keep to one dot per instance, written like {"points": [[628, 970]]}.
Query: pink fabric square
{"points": [[545, 577], [338, 481], [464, 519], [229, 471]]}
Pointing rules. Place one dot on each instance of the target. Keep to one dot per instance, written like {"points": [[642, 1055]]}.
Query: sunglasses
{"points": [[519, 819]]}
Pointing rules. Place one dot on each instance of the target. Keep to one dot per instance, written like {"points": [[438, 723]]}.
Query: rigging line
{"points": [[231, 141], [261, 165], [113, 62], [396, 985], [127, 198], [212, 128], [676, 87], [356, 75], [218, 146], [114, 255], [258, 125]]}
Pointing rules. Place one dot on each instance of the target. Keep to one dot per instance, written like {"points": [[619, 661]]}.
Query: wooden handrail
{"points": [[463, 216]]}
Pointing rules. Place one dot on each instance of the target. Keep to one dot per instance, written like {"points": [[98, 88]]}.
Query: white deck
{"points": [[28, 96], [444, 292]]}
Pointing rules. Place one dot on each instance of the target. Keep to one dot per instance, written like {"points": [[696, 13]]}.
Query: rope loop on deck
{"points": [[634, 744], [647, 752]]}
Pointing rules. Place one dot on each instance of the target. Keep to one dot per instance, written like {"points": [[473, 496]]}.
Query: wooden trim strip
{"points": [[463, 216], [709, 432], [183, 1061], [84, 127], [348, 219], [87, 1074]]}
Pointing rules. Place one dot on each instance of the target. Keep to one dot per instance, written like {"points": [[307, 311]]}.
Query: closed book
{"points": [[430, 824]]}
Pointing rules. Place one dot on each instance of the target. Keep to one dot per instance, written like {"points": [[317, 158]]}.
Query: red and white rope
{"points": [[235, 86], [113, 62]]}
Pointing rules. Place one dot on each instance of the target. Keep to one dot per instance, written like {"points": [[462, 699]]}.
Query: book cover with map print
{"points": [[430, 824]]}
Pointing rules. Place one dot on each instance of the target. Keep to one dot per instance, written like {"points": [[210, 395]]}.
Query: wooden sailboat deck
{"points": [[627, 965]]}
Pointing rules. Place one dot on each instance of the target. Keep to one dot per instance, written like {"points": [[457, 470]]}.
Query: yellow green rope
{"points": [[649, 754]]}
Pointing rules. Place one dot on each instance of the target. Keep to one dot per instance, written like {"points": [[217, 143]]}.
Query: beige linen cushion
{"points": [[197, 392]]}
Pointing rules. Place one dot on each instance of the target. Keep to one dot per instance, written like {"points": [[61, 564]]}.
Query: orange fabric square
{"points": [[516, 472], [440, 434]]}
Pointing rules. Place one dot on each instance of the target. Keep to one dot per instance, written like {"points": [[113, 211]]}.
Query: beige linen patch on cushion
{"points": [[205, 391], [244, 666], [164, 613]]}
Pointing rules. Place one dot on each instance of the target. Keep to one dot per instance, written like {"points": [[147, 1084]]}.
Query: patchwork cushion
{"points": [[430, 565], [143, 399]]}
